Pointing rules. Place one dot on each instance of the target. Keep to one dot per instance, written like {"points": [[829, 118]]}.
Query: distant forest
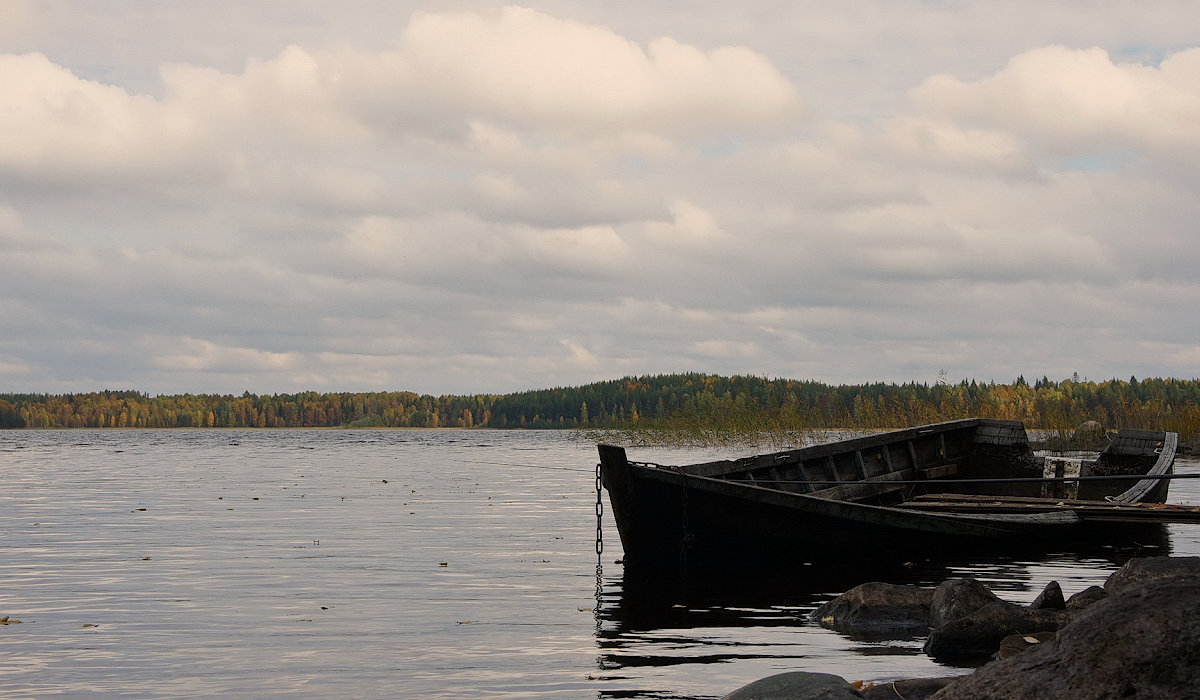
{"points": [[1172, 404]]}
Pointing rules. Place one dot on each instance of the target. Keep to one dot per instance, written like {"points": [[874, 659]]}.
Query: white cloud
{"points": [[1080, 99], [918, 242], [580, 355], [58, 125], [927, 143], [690, 227], [520, 65], [511, 90], [192, 355]]}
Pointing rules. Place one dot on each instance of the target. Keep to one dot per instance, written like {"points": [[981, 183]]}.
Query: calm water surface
{"points": [[436, 564]]}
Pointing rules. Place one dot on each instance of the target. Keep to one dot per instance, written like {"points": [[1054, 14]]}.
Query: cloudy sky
{"points": [[466, 197]]}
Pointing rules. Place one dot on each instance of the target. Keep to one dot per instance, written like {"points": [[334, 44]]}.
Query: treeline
{"points": [[1172, 404]]}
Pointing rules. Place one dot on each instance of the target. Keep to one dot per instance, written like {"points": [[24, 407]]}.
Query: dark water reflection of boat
{"points": [[634, 597]]}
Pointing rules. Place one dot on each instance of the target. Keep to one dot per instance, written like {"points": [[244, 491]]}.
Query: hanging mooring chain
{"points": [[599, 516]]}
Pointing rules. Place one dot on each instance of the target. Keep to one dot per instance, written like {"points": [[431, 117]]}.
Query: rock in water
{"points": [[878, 609], [956, 598], [978, 635], [1051, 598], [1142, 642], [797, 684]]}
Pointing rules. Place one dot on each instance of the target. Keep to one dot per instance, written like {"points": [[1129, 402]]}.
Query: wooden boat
{"points": [[965, 482]]}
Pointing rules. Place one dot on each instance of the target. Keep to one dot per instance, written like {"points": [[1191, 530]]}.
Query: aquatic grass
{"points": [[738, 421]]}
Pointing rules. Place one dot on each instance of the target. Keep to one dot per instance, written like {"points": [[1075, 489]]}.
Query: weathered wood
{"points": [[867, 487]]}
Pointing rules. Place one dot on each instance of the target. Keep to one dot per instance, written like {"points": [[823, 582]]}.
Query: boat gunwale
{"points": [[849, 445]]}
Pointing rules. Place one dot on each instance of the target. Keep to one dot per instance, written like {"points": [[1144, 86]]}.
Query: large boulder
{"points": [[878, 609], [1138, 571], [956, 598], [795, 685], [978, 635], [1140, 642]]}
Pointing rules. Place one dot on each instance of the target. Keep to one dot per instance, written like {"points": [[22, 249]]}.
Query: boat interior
{"points": [[971, 458]]}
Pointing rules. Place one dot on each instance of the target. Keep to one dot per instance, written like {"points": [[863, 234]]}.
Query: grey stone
{"points": [[1051, 598], [1138, 571], [956, 598], [878, 609], [1086, 598], [797, 685]]}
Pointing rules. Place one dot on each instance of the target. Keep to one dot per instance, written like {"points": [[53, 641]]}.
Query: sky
{"points": [[464, 197]]}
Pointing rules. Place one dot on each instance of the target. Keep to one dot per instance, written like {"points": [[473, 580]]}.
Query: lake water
{"points": [[433, 564]]}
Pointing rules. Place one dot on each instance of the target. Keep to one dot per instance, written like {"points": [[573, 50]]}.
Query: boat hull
{"points": [[718, 515]]}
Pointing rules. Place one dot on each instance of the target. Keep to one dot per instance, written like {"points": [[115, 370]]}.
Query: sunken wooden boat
{"points": [[903, 493]]}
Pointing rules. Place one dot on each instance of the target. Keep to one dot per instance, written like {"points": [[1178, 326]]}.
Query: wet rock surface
{"points": [[1051, 598], [957, 598], [881, 609]]}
